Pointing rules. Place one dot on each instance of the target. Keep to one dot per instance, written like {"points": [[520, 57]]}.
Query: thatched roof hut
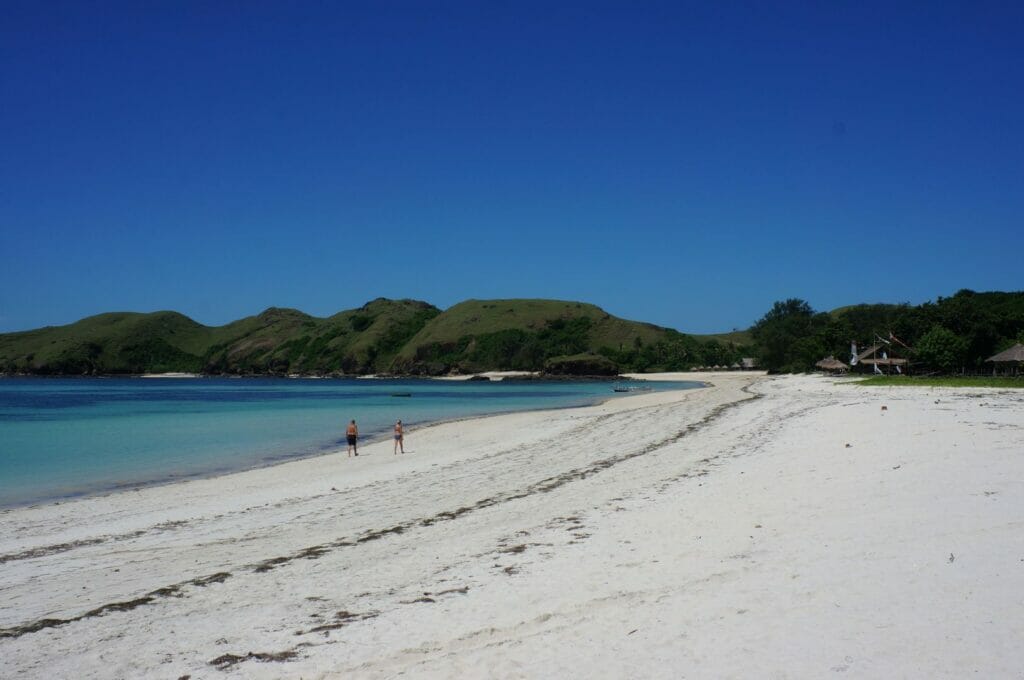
{"points": [[830, 363], [1009, 361], [1014, 354]]}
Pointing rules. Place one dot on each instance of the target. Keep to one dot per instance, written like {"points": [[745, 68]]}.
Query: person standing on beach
{"points": [[399, 438], [352, 434]]}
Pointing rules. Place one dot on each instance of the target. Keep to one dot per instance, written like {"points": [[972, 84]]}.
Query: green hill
{"points": [[276, 341], [382, 336], [478, 335], [114, 342], [730, 338]]}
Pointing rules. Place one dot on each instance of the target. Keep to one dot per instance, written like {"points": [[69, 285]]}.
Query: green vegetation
{"points": [[737, 338], [383, 336], [581, 364], [950, 335], [941, 349], [478, 335], [277, 341], [791, 336], [164, 341], [954, 334], [942, 381]]}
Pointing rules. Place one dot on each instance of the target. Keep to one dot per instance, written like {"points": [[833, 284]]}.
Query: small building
{"points": [[832, 365], [877, 357], [748, 363], [1008, 362]]}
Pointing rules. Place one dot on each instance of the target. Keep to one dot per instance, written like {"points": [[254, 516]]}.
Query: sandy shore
{"points": [[491, 375], [762, 527]]}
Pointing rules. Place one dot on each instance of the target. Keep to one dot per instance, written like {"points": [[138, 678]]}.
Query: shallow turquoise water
{"points": [[72, 436]]}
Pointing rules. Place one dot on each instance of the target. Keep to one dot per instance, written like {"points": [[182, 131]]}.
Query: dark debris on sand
{"points": [[225, 661]]}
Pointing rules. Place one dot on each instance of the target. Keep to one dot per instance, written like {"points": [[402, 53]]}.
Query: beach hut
{"points": [[832, 365], [1009, 361]]}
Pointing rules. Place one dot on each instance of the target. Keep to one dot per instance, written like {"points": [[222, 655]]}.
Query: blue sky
{"points": [[684, 164]]}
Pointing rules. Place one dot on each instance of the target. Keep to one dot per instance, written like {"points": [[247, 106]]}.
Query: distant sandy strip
{"points": [[490, 375], [793, 527]]}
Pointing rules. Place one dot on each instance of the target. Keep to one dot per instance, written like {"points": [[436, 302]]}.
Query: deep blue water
{"points": [[62, 437]]}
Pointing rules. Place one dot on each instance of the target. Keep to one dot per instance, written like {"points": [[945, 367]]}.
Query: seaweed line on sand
{"points": [[313, 552], [176, 590]]}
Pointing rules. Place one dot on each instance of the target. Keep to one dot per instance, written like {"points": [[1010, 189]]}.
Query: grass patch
{"points": [[943, 381]]}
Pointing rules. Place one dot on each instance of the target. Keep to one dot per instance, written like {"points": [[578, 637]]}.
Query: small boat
{"points": [[620, 388], [401, 394]]}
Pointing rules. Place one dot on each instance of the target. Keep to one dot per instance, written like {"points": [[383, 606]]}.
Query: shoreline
{"points": [[493, 376], [717, 533], [105, 490]]}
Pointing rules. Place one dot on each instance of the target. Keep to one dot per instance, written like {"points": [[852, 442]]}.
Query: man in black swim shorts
{"points": [[352, 434]]}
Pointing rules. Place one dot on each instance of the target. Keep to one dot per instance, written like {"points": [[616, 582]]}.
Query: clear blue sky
{"points": [[684, 164]]}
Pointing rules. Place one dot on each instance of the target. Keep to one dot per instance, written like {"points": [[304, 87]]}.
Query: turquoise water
{"points": [[64, 437]]}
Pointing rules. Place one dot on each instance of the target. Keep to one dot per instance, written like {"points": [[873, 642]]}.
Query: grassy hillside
{"points": [[276, 341], [479, 317], [478, 335], [113, 342], [733, 337], [398, 336]]}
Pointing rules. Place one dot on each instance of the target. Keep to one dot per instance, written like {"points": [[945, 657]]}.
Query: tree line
{"points": [[950, 335]]}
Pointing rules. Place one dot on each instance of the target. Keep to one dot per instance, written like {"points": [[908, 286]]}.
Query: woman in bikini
{"points": [[399, 437]]}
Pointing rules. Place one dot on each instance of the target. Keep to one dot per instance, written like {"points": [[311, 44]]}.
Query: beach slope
{"points": [[760, 527]]}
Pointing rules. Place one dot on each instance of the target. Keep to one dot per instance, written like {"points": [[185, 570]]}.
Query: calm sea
{"points": [[68, 437]]}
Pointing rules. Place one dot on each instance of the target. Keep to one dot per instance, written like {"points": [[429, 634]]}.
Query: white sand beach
{"points": [[790, 527], [490, 375]]}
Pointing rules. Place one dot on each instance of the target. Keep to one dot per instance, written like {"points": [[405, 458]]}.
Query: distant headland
{"points": [[411, 337]]}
